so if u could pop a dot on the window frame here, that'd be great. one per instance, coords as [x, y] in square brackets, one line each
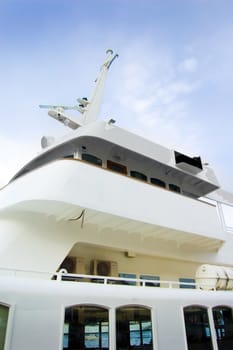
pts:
[91, 305]
[92, 156]
[120, 166]
[9, 328]
[152, 344]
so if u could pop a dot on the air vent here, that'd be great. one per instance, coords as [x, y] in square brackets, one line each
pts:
[104, 268]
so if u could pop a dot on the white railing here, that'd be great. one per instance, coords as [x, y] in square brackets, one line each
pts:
[63, 276]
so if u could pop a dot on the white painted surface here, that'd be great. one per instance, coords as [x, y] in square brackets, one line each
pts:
[38, 314]
[36, 218]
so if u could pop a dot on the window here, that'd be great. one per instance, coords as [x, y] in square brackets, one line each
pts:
[4, 311]
[151, 278]
[85, 327]
[119, 168]
[128, 275]
[187, 280]
[197, 328]
[223, 323]
[174, 188]
[133, 328]
[158, 182]
[92, 159]
[138, 175]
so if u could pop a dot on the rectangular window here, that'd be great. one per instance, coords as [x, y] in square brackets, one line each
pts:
[187, 280]
[197, 327]
[128, 275]
[92, 159]
[151, 278]
[118, 168]
[96, 335]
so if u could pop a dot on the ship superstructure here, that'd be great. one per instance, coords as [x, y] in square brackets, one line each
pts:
[105, 205]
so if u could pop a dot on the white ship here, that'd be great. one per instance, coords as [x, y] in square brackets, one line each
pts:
[111, 241]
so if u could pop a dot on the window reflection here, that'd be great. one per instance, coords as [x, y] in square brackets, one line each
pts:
[197, 328]
[223, 322]
[133, 328]
[85, 327]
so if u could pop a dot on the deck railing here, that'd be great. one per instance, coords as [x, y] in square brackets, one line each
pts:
[64, 276]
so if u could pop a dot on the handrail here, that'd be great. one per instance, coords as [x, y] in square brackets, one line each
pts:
[63, 276]
[136, 282]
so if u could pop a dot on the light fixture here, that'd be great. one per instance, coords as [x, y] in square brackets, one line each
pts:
[111, 121]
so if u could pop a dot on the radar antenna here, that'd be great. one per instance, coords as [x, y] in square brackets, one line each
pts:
[89, 110]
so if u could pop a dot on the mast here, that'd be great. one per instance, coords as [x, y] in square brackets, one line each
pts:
[93, 107]
[89, 109]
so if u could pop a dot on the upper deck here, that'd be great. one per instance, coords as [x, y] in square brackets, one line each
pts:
[106, 141]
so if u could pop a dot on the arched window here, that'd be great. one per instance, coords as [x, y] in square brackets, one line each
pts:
[174, 188]
[158, 182]
[4, 311]
[138, 175]
[133, 328]
[197, 328]
[86, 327]
[223, 322]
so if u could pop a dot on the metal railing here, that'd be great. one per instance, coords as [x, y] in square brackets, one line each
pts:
[63, 276]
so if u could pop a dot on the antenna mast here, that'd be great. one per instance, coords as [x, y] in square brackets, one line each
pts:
[92, 111]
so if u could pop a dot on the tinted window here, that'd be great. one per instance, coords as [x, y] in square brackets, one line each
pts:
[128, 275]
[119, 168]
[174, 188]
[223, 323]
[158, 182]
[133, 328]
[197, 328]
[187, 280]
[151, 278]
[4, 311]
[92, 159]
[85, 327]
[138, 175]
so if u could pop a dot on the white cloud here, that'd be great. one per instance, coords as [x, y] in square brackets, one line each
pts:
[189, 65]
[156, 97]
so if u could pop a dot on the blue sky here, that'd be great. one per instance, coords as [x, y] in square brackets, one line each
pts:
[172, 82]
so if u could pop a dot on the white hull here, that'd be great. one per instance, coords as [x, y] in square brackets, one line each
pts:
[37, 310]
